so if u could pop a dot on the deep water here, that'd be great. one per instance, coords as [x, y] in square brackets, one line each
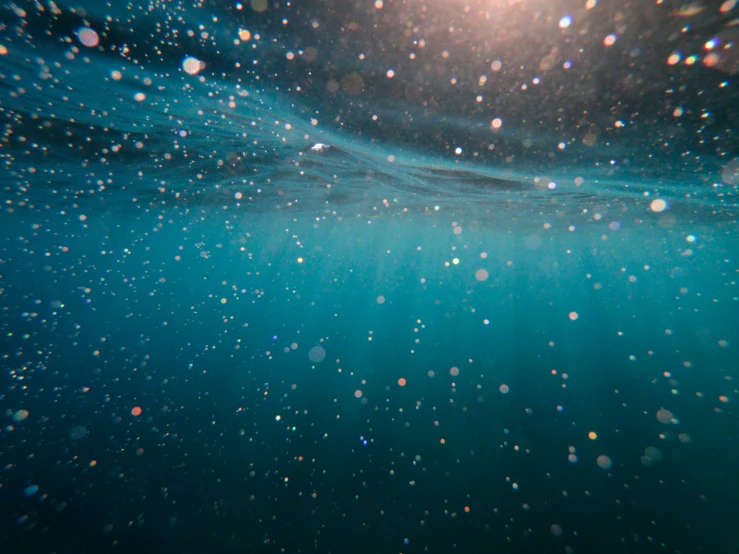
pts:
[241, 314]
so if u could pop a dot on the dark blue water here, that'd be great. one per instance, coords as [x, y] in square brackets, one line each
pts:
[369, 277]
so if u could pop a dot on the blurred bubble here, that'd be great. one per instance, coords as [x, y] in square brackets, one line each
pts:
[316, 354]
[310, 54]
[604, 462]
[658, 205]
[88, 37]
[547, 63]
[259, 6]
[77, 432]
[192, 66]
[353, 84]
[653, 453]
[712, 59]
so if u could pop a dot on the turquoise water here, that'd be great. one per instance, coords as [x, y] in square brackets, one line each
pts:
[255, 302]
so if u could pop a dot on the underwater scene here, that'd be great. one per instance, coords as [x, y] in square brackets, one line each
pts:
[369, 276]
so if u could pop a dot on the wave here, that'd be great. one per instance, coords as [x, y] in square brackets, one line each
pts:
[124, 122]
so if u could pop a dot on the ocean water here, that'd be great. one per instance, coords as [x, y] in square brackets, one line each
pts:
[373, 277]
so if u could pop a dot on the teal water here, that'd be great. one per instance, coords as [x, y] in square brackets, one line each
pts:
[220, 336]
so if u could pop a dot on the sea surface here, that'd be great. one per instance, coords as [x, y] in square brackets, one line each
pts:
[381, 277]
